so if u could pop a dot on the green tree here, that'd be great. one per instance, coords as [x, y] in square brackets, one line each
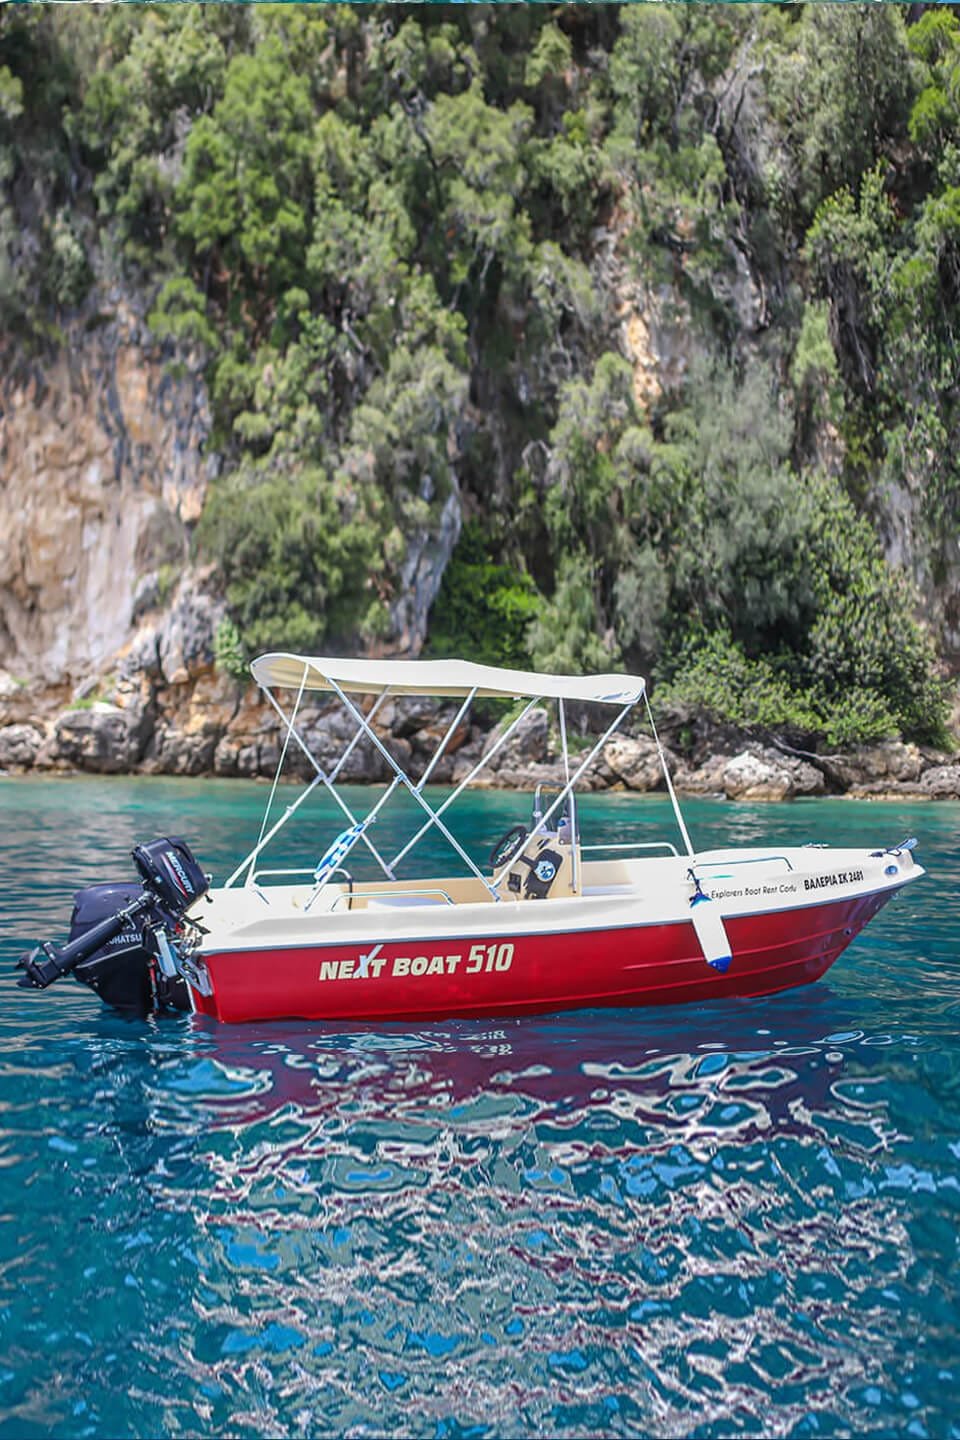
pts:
[159, 73]
[564, 639]
[842, 97]
[300, 557]
[245, 198]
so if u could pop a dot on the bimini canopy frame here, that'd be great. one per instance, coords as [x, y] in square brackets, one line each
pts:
[456, 679]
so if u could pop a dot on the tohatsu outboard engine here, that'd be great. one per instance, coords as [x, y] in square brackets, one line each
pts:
[126, 940]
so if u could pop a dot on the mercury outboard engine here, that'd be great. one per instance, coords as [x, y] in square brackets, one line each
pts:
[125, 938]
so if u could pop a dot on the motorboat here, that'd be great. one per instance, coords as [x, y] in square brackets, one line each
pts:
[549, 920]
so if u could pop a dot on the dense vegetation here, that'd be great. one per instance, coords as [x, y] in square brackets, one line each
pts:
[407, 245]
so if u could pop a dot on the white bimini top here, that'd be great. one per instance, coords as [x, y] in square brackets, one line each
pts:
[455, 678]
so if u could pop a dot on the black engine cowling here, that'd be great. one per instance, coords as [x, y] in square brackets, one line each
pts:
[170, 871]
[123, 972]
[121, 934]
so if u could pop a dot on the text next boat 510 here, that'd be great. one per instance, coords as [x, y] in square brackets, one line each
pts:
[546, 922]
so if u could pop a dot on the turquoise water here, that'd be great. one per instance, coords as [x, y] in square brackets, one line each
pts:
[734, 1219]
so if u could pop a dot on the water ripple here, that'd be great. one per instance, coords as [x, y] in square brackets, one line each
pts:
[728, 1220]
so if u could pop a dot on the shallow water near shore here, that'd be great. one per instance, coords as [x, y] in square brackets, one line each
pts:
[740, 1218]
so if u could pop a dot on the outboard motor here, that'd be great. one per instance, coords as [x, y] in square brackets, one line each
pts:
[124, 937]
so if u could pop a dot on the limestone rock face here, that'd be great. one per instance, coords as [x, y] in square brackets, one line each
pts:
[407, 715]
[655, 337]
[768, 775]
[101, 474]
[176, 644]
[705, 779]
[756, 773]
[428, 551]
[19, 745]
[528, 743]
[941, 782]
[750, 777]
[426, 740]
[251, 727]
[328, 731]
[171, 752]
[636, 763]
[105, 738]
[907, 545]
[186, 636]
[890, 760]
[807, 779]
[528, 777]
[189, 723]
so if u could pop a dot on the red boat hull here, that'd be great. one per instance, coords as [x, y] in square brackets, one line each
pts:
[654, 964]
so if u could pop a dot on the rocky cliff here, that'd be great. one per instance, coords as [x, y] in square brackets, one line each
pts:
[108, 625]
[103, 472]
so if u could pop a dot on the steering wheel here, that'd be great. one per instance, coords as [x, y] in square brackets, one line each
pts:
[507, 846]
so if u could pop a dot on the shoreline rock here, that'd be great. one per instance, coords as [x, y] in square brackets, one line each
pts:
[190, 720]
[757, 772]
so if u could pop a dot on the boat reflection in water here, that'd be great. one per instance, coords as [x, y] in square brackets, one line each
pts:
[556, 1062]
[494, 1222]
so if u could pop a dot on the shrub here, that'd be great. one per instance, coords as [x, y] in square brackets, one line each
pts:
[484, 608]
[228, 651]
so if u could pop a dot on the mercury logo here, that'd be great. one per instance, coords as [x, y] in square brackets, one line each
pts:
[179, 874]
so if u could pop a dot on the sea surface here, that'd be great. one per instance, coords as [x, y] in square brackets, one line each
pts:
[734, 1219]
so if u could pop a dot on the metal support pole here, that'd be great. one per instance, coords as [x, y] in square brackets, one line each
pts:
[356, 739]
[405, 780]
[327, 782]
[264, 841]
[574, 837]
[666, 776]
[568, 788]
[443, 743]
[481, 763]
[283, 756]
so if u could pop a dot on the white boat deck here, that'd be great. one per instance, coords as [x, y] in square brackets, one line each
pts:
[627, 891]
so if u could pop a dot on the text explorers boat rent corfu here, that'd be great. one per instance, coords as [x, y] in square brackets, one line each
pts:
[547, 923]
